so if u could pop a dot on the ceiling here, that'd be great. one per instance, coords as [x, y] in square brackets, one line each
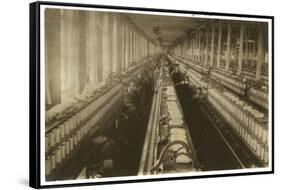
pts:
[169, 30]
[164, 30]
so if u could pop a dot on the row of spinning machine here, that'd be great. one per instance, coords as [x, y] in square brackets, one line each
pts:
[70, 127]
[244, 109]
[168, 145]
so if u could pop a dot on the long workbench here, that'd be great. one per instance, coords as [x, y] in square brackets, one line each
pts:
[168, 145]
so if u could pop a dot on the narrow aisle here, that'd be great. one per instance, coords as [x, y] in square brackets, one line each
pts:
[211, 150]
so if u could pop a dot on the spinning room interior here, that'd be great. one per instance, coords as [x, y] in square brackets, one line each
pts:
[136, 94]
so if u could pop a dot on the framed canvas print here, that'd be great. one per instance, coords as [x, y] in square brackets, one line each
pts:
[121, 94]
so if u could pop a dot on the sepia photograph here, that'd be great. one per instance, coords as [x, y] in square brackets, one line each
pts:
[136, 94]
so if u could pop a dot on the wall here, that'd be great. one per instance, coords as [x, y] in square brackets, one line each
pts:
[83, 49]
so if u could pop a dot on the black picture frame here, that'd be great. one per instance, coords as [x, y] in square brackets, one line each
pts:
[34, 92]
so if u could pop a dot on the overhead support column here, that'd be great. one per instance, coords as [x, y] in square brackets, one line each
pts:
[119, 41]
[246, 45]
[241, 44]
[199, 46]
[123, 46]
[185, 49]
[134, 45]
[207, 43]
[129, 45]
[196, 45]
[105, 46]
[110, 43]
[253, 54]
[115, 44]
[126, 38]
[138, 46]
[99, 46]
[227, 61]
[188, 48]
[212, 44]
[260, 54]
[219, 45]
[181, 50]
[192, 49]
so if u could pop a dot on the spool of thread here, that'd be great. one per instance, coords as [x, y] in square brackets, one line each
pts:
[63, 151]
[79, 135]
[258, 131]
[97, 103]
[48, 166]
[88, 127]
[71, 124]
[47, 143]
[71, 143]
[266, 155]
[52, 138]
[264, 134]
[57, 135]
[246, 116]
[74, 122]
[81, 115]
[67, 128]
[58, 155]
[78, 118]
[258, 126]
[97, 116]
[53, 161]
[251, 121]
[67, 147]
[248, 138]
[82, 131]
[255, 143]
[100, 112]
[91, 107]
[244, 132]
[75, 140]
[259, 147]
[62, 131]
[86, 112]
[262, 152]
[89, 110]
